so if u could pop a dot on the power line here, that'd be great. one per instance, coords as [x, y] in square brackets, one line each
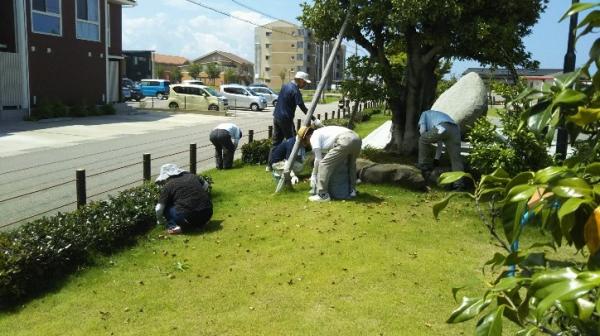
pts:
[255, 10]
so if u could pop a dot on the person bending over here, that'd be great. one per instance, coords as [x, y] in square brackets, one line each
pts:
[225, 137]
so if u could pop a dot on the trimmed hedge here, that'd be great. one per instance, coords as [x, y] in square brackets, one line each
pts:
[256, 152]
[38, 253]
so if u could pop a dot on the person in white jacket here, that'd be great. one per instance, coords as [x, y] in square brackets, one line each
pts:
[225, 137]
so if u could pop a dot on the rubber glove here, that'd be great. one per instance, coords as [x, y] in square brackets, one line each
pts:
[317, 123]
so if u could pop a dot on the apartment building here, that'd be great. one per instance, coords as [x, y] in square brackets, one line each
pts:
[282, 48]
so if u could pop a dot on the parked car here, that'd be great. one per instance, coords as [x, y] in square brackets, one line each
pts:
[194, 97]
[125, 93]
[241, 97]
[258, 85]
[135, 92]
[158, 88]
[267, 93]
[217, 94]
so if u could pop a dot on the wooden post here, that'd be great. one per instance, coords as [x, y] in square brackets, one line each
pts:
[250, 136]
[146, 164]
[193, 158]
[80, 187]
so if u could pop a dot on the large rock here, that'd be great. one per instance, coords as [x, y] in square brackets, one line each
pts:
[465, 101]
[398, 174]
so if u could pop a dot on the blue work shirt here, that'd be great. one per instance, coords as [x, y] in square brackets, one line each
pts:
[431, 118]
[284, 149]
[289, 98]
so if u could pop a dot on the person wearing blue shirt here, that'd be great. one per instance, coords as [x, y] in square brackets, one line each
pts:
[225, 137]
[438, 127]
[285, 110]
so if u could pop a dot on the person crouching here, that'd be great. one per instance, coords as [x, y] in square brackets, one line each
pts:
[342, 146]
[225, 137]
[184, 199]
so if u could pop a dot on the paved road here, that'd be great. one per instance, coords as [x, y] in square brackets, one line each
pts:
[38, 159]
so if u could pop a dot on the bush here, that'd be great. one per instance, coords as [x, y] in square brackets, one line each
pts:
[79, 110]
[338, 122]
[514, 150]
[49, 109]
[256, 152]
[47, 249]
[108, 109]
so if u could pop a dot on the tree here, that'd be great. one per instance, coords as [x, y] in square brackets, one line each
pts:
[360, 85]
[427, 31]
[176, 75]
[282, 75]
[194, 70]
[213, 72]
[230, 76]
[160, 71]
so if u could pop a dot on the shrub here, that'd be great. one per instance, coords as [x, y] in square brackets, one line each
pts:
[79, 110]
[514, 150]
[256, 152]
[49, 109]
[108, 109]
[338, 122]
[38, 252]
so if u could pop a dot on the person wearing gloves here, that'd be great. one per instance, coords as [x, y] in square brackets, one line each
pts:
[184, 199]
[225, 137]
[285, 110]
[279, 157]
[341, 146]
[438, 127]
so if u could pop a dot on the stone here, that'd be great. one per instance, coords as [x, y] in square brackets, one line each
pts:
[392, 173]
[465, 101]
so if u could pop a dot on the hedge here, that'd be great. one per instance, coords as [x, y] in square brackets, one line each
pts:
[256, 152]
[38, 253]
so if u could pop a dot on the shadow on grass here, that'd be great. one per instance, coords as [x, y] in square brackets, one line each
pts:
[367, 198]
[212, 226]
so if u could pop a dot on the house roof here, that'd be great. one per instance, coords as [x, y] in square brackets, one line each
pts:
[487, 72]
[169, 59]
[231, 56]
[279, 23]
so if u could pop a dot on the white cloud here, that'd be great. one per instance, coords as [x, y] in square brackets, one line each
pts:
[191, 36]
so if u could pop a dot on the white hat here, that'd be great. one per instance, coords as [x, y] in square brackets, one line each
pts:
[302, 75]
[168, 170]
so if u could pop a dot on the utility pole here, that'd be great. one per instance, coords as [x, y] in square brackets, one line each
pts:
[562, 137]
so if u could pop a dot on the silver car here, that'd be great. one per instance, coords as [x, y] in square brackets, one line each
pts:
[267, 93]
[240, 96]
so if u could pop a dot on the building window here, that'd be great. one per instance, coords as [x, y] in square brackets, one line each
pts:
[300, 45]
[301, 32]
[291, 58]
[293, 45]
[88, 20]
[267, 57]
[300, 57]
[46, 17]
[268, 33]
[268, 45]
[267, 69]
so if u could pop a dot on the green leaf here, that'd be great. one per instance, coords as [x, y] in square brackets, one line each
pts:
[500, 173]
[523, 195]
[441, 205]
[549, 174]
[527, 332]
[578, 7]
[569, 207]
[538, 122]
[547, 278]
[486, 195]
[569, 97]
[566, 291]
[566, 80]
[455, 291]
[593, 169]
[491, 324]
[585, 116]
[468, 309]
[508, 283]
[585, 308]
[521, 178]
[451, 177]
[497, 260]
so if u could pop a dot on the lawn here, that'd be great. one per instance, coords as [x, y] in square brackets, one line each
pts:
[275, 264]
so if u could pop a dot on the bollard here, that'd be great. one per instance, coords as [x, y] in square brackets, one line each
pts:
[193, 158]
[333, 114]
[250, 136]
[319, 116]
[80, 187]
[298, 124]
[325, 115]
[339, 113]
[146, 164]
[270, 132]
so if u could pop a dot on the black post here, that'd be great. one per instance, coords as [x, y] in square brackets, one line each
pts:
[325, 115]
[80, 186]
[319, 116]
[298, 124]
[250, 136]
[271, 132]
[562, 137]
[146, 164]
[193, 158]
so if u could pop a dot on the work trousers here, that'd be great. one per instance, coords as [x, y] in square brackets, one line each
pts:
[224, 148]
[346, 148]
[282, 130]
[451, 139]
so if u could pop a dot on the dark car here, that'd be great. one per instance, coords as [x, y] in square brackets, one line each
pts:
[136, 93]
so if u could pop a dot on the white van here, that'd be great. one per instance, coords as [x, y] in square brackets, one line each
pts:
[267, 93]
[194, 97]
[241, 97]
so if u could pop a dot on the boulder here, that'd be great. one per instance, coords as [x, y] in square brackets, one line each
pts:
[465, 101]
[393, 173]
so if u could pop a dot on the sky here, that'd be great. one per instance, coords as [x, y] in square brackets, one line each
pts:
[178, 27]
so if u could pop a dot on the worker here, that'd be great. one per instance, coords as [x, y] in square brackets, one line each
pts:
[225, 137]
[280, 155]
[285, 110]
[438, 127]
[184, 199]
[341, 147]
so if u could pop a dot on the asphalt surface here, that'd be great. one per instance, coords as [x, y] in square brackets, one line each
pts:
[38, 160]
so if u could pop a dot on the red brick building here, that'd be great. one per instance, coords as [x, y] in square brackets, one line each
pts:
[66, 50]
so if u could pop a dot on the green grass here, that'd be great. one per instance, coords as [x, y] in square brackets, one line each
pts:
[275, 264]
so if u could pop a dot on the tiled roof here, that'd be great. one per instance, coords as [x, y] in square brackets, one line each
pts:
[231, 56]
[168, 59]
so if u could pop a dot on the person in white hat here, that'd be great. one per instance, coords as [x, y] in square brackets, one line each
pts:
[184, 199]
[285, 110]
